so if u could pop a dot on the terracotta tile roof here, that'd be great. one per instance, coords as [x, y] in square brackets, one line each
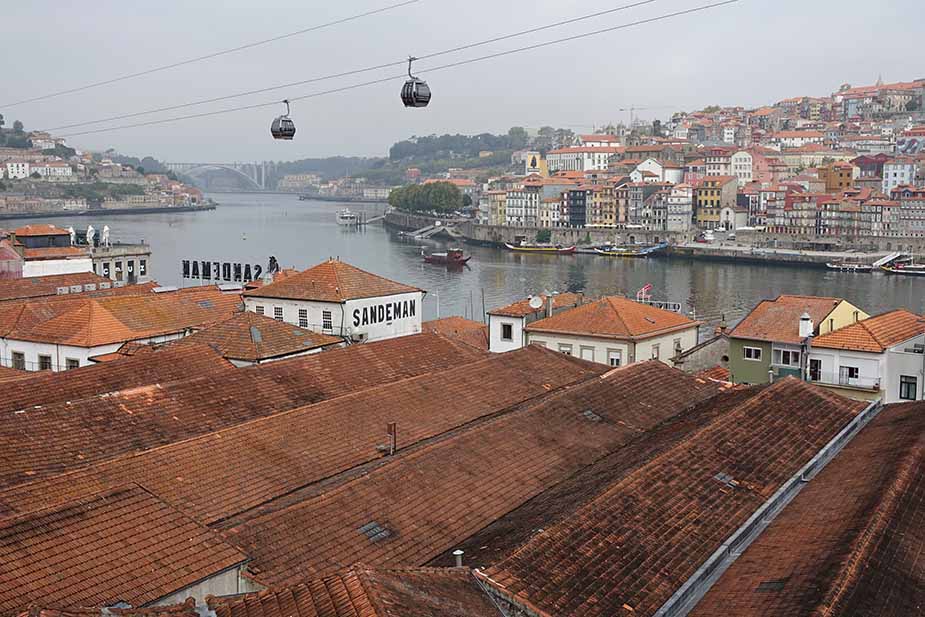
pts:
[778, 320]
[56, 252]
[463, 482]
[124, 544]
[187, 609]
[251, 463]
[522, 308]
[41, 388]
[629, 549]
[10, 374]
[94, 321]
[719, 373]
[365, 592]
[875, 334]
[465, 330]
[850, 543]
[37, 286]
[127, 350]
[331, 281]
[87, 425]
[40, 229]
[614, 317]
[250, 337]
[559, 502]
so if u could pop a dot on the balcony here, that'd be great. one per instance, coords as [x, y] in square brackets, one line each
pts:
[840, 380]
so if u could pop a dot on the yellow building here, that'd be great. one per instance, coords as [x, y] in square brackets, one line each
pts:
[837, 176]
[602, 209]
[714, 194]
[497, 207]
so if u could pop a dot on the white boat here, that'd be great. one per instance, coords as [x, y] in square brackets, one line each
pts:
[346, 217]
[849, 266]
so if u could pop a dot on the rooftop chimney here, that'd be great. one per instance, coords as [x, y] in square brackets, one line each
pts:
[550, 301]
[806, 325]
[458, 554]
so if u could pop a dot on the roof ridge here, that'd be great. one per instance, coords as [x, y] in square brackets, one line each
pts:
[337, 287]
[865, 542]
[616, 311]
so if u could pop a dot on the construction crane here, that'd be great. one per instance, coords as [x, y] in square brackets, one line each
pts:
[632, 111]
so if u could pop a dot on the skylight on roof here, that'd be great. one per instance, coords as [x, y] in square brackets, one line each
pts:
[206, 304]
[725, 478]
[590, 415]
[375, 532]
[772, 585]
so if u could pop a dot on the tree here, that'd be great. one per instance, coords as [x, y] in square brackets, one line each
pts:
[518, 137]
[467, 201]
[912, 105]
[657, 128]
[140, 170]
[36, 175]
[17, 127]
[1, 121]
[434, 197]
[544, 236]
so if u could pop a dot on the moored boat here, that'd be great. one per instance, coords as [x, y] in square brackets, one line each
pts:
[451, 257]
[630, 251]
[346, 217]
[845, 266]
[540, 248]
[904, 268]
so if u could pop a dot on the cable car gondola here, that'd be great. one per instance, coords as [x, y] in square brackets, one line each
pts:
[283, 127]
[415, 92]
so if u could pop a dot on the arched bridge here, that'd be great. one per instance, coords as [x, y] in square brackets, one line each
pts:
[255, 174]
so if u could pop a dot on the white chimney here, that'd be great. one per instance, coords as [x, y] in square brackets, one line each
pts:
[549, 305]
[806, 325]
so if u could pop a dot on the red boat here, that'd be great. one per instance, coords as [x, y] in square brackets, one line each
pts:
[452, 257]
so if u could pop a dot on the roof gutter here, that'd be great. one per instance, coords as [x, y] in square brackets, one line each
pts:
[692, 591]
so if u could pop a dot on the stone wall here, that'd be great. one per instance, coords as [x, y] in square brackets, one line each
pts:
[568, 236]
[870, 244]
[407, 221]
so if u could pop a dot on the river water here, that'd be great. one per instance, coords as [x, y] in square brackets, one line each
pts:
[250, 227]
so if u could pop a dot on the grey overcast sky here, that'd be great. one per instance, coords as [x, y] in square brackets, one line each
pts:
[751, 53]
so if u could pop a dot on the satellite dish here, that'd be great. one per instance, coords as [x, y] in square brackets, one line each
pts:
[536, 302]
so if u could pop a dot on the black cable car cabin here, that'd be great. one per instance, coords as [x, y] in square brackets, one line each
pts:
[283, 127]
[415, 92]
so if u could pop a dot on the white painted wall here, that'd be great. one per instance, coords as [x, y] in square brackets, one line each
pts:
[227, 583]
[47, 267]
[495, 342]
[61, 353]
[347, 318]
[597, 349]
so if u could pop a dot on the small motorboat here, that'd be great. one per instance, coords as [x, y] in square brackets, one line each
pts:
[451, 257]
[630, 251]
[541, 248]
[908, 269]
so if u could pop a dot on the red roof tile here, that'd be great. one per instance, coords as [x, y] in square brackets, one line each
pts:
[463, 482]
[249, 337]
[465, 330]
[364, 592]
[718, 373]
[629, 549]
[875, 334]
[187, 609]
[850, 543]
[57, 252]
[259, 460]
[37, 286]
[778, 320]
[331, 281]
[614, 317]
[124, 544]
[40, 229]
[522, 308]
[86, 425]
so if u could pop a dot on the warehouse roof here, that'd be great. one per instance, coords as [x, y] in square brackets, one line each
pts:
[614, 317]
[38, 286]
[424, 501]
[121, 545]
[850, 543]
[331, 281]
[251, 463]
[778, 320]
[629, 549]
[875, 334]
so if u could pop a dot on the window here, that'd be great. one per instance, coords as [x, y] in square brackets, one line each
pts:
[848, 373]
[815, 369]
[587, 353]
[327, 321]
[614, 357]
[142, 267]
[71, 363]
[507, 332]
[786, 357]
[752, 353]
[656, 352]
[19, 360]
[278, 313]
[566, 349]
[908, 387]
[258, 310]
[44, 363]
[303, 318]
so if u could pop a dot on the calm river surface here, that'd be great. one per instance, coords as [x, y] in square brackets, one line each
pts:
[249, 228]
